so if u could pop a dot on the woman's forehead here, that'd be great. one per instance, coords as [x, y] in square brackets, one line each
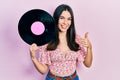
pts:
[65, 14]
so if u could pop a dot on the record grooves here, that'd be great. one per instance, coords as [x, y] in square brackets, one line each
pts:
[32, 16]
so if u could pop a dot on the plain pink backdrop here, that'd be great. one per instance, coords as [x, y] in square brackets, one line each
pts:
[101, 18]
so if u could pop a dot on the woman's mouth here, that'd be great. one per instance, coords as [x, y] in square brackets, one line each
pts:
[63, 26]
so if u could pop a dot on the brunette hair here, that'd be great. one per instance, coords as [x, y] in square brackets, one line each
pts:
[71, 33]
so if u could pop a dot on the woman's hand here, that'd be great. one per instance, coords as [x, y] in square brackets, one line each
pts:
[33, 49]
[85, 41]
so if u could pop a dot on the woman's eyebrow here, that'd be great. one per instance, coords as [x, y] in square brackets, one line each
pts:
[61, 16]
[68, 17]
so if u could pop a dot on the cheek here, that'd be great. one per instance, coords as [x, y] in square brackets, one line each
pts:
[59, 25]
[70, 23]
[60, 21]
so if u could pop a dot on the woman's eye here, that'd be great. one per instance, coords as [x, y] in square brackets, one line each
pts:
[69, 18]
[61, 17]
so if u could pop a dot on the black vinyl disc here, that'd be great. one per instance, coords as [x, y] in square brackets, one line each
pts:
[36, 16]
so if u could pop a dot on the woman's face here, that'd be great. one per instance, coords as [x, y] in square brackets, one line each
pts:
[64, 21]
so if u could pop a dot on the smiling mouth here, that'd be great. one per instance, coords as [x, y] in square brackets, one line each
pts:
[63, 26]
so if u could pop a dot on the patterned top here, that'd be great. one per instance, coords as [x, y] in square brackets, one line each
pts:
[60, 64]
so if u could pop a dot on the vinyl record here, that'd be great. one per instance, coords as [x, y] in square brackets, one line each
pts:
[36, 26]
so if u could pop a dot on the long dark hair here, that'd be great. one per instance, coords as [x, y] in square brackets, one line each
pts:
[71, 33]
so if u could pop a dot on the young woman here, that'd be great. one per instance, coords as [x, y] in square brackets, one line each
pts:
[62, 53]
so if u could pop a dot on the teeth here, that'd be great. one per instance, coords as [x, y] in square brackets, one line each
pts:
[64, 26]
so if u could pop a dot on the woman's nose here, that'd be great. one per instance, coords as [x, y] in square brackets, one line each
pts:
[65, 21]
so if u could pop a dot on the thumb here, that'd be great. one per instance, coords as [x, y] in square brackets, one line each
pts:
[86, 35]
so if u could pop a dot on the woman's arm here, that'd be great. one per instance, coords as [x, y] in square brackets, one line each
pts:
[42, 68]
[88, 59]
[86, 43]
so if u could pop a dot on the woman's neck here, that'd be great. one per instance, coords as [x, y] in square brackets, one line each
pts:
[62, 37]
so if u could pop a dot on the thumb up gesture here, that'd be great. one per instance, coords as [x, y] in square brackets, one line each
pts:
[85, 41]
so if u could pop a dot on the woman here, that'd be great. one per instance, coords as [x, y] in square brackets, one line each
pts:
[62, 53]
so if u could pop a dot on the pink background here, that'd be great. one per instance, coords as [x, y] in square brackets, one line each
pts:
[101, 18]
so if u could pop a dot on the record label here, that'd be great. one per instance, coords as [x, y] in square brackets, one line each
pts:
[37, 28]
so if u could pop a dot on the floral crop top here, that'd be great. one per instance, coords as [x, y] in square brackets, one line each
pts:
[59, 63]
